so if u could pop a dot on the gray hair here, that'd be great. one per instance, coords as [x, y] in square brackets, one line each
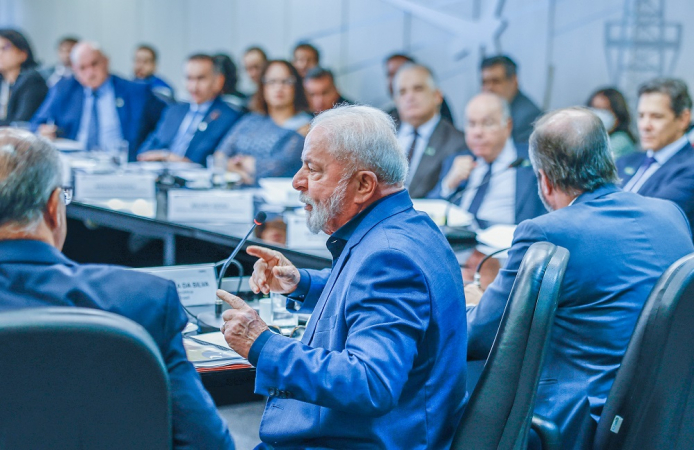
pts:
[431, 80]
[572, 148]
[82, 46]
[675, 89]
[363, 138]
[30, 170]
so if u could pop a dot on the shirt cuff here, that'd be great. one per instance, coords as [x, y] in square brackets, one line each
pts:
[445, 190]
[257, 347]
[302, 288]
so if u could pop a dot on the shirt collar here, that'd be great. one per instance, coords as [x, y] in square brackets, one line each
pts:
[425, 130]
[105, 86]
[664, 154]
[31, 251]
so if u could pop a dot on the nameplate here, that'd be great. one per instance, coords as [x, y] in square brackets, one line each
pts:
[196, 284]
[210, 206]
[299, 236]
[114, 185]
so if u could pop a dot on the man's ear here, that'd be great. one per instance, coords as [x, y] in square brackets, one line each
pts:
[545, 185]
[52, 214]
[367, 182]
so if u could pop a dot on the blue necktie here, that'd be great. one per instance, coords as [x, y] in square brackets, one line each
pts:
[648, 162]
[93, 131]
[479, 196]
[180, 144]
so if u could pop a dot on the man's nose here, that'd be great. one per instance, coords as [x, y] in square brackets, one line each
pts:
[299, 180]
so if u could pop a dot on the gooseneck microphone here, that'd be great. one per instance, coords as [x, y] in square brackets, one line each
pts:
[477, 277]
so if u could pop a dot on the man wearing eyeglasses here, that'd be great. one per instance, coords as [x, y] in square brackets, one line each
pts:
[34, 273]
[497, 184]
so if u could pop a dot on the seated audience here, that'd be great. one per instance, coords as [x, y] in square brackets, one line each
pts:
[321, 91]
[231, 95]
[144, 70]
[609, 104]
[633, 240]
[63, 68]
[34, 273]
[665, 169]
[192, 131]
[382, 362]
[424, 138]
[305, 58]
[267, 142]
[393, 64]
[498, 185]
[254, 61]
[500, 76]
[96, 108]
[22, 88]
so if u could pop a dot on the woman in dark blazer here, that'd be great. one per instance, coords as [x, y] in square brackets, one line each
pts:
[22, 88]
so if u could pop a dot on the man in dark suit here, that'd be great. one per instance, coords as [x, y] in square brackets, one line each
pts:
[34, 273]
[666, 168]
[321, 91]
[144, 70]
[424, 137]
[620, 243]
[382, 361]
[96, 108]
[500, 76]
[192, 132]
[498, 185]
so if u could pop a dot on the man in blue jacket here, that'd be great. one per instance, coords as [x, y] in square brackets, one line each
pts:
[96, 108]
[34, 273]
[382, 361]
[192, 132]
[619, 243]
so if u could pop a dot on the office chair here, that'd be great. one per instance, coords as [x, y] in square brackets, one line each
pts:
[500, 409]
[77, 378]
[651, 403]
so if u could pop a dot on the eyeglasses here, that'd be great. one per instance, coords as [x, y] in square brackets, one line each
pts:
[487, 124]
[279, 81]
[67, 194]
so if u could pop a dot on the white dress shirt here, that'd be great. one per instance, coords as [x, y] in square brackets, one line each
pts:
[110, 134]
[499, 204]
[405, 136]
[661, 157]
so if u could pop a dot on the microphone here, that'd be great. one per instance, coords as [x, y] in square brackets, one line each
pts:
[460, 190]
[477, 277]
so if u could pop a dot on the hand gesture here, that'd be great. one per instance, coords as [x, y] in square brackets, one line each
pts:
[242, 325]
[272, 272]
[460, 171]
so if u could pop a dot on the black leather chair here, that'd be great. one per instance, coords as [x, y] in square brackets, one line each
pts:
[75, 378]
[500, 409]
[651, 403]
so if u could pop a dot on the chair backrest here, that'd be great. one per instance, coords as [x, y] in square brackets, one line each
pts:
[651, 403]
[500, 410]
[76, 378]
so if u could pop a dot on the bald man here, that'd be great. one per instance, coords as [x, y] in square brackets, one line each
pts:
[96, 108]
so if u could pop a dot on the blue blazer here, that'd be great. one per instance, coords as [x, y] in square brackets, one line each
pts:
[35, 274]
[219, 120]
[527, 203]
[619, 243]
[673, 181]
[138, 109]
[382, 361]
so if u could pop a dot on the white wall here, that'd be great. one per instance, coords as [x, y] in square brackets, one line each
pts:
[354, 36]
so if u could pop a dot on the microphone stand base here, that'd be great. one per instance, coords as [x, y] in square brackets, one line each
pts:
[209, 322]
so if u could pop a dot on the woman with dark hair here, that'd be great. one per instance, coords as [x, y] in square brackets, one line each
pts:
[22, 88]
[609, 104]
[268, 141]
[225, 65]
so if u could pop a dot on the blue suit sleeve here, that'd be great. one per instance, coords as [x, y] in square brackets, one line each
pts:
[483, 320]
[308, 291]
[196, 424]
[44, 113]
[387, 312]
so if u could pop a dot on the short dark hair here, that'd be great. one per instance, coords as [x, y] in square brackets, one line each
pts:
[226, 67]
[72, 40]
[407, 58]
[319, 72]
[618, 105]
[673, 88]
[510, 66]
[149, 48]
[256, 49]
[18, 40]
[205, 57]
[309, 47]
[300, 101]
[574, 154]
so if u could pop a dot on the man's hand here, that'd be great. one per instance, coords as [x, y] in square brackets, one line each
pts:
[473, 294]
[460, 171]
[244, 165]
[161, 155]
[242, 325]
[48, 131]
[272, 272]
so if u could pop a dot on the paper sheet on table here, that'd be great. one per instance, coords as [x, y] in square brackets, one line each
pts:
[495, 238]
[68, 145]
[437, 210]
[214, 338]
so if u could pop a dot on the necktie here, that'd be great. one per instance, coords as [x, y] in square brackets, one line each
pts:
[479, 195]
[93, 131]
[180, 144]
[648, 162]
[410, 153]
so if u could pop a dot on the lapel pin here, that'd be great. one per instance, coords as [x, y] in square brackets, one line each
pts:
[629, 170]
[430, 151]
[119, 102]
[214, 114]
[202, 126]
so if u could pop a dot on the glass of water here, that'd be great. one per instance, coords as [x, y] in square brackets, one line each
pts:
[119, 152]
[281, 317]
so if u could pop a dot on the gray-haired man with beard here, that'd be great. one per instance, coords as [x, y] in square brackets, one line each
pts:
[374, 367]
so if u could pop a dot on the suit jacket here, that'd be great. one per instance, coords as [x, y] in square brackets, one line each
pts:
[527, 202]
[619, 243]
[219, 120]
[35, 274]
[523, 112]
[138, 109]
[444, 142]
[382, 361]
[673, 181]
[26, 95]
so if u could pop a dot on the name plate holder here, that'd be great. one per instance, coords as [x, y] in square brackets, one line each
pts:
[299, 236]
[196, 284]
[210, 206]
[114, 185]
